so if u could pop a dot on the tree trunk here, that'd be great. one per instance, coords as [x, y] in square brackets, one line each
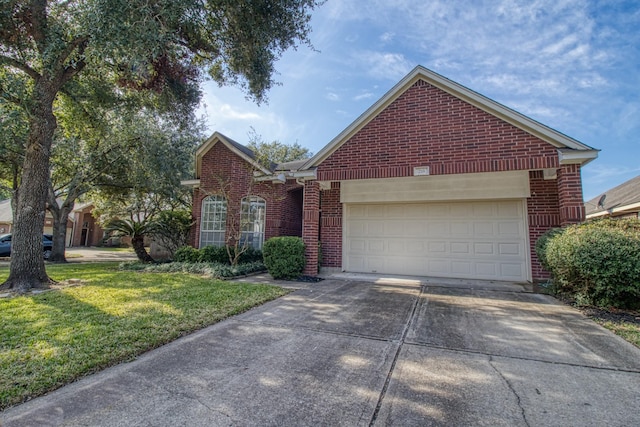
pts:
[138, 246]
[60, 218]
[27, 268]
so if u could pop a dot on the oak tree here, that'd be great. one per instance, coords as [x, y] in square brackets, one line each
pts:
[157, 46]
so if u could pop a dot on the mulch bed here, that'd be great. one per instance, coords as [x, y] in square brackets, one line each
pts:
[611, 315]
[309, 279]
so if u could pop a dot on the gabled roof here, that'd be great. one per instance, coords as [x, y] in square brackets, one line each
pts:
[625, 196]
[570, 150]
[237, 148]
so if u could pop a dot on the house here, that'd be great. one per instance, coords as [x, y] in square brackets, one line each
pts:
[622, 201]
[6, 221]
[86, 230]
[434, 179]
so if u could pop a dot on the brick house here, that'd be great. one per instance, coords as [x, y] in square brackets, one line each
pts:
[432, 180]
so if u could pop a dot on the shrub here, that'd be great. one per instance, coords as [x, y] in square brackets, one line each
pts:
[251, 255]
[171, 229]
[284, 257]
[217, 254]
[541, 246]
[214, 254]
[211, 269]
[597, 262]
[187, 254]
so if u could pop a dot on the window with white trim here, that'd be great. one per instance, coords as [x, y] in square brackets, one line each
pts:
[213, 221]
[252, 217]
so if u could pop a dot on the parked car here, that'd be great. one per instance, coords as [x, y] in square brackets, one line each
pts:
[5, 245]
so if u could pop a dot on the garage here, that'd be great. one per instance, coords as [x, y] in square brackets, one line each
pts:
[484, 239]
[432, 226]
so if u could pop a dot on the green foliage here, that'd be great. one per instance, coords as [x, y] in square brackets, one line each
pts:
[137, 229]
[598, 262]
[215, 254]
[270, 153]
[284, 257]
[172, 228]
[541, 246]
[187, 254]
[250, 254]
[210, 269]
[147, 55]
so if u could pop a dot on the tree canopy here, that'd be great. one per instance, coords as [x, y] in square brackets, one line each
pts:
[161, 49]
[274, 152]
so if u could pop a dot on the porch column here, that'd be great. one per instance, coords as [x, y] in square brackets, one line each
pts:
[570, 195]
[311, 226]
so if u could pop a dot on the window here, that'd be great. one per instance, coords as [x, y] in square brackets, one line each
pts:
[213, 221]
[252, 221]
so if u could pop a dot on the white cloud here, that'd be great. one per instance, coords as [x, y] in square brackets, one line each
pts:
[366, 95]
[229, 112]
[381, 65]
[387, 36]
[332, 96]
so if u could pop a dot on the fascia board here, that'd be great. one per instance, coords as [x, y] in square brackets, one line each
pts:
[614, 210]
[582, 157]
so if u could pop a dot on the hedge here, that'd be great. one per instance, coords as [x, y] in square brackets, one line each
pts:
[597, 262]
[215, 254]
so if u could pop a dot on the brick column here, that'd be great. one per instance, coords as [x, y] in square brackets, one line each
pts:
[196, 207]
[311, 225]
[570, 195]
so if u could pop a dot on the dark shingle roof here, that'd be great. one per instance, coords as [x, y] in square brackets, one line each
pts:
[246, 150]
[624, 194]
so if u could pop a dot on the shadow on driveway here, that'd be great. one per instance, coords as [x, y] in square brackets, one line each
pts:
[353, 352]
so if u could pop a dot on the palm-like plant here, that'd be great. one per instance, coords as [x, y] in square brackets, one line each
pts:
[135, 230]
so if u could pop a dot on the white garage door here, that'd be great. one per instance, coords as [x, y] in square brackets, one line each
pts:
[481, 240]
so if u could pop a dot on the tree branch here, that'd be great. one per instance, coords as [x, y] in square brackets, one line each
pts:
[12, 62]
[37, 21]
[79, 43]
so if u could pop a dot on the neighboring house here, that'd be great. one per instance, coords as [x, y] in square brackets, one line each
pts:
[622, 201]
[86, 231]
[432, 180]
[6, 221]
[6, 216]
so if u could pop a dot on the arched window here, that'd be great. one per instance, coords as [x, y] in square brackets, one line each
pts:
[213, 221]
[252, 221]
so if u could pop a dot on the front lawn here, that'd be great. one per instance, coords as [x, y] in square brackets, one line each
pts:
[625, 323]
[50, 339]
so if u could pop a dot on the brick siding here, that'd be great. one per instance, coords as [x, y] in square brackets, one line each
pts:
[224, 172]
[331, 226]
[424, 126]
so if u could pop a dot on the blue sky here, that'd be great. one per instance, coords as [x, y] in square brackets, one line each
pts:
[572, 65]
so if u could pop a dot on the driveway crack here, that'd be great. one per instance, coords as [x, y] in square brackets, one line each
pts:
[513, 390]
[403, 336]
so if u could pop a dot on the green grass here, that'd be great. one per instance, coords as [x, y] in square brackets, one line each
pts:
[115, 249]
[50, 339]
[628, 331]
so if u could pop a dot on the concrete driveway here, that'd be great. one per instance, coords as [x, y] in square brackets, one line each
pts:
[367, 351]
